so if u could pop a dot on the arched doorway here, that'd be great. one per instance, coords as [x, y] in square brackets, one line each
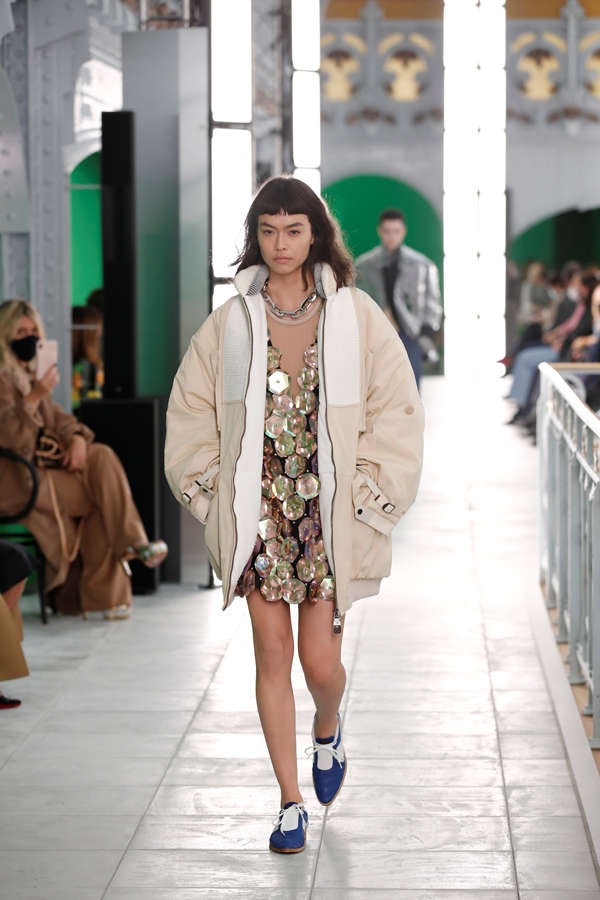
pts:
[565, 236]
[357, 201]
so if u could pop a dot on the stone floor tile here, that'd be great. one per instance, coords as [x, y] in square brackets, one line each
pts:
[385, 870]
[215, 832]
[426, 679]
[215, 893]
[170, 869]
[532, 772]
[560, 895]
[57, 874]
[76, 771]
[409, 832]
[542, 801]
[564, 833]
[537, 722]
[550, 871]
[228, 745]
[421, 801]
[213, 772]
[425, 772]
[503, 680]
[420, 701]
[399, 894]
[51, 831]
[116, 722]
[436, 723]
[522, 701]
[96, 747]
[530, 746]
[440, 663]
[101, 801]
[420, 746]
[184, 800]
[240, 721]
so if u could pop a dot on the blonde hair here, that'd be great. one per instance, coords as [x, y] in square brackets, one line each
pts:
[11, 311]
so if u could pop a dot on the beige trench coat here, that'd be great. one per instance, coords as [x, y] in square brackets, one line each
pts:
[19, 431]
[99, 496]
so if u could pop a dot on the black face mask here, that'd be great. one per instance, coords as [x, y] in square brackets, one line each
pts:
[25, 348]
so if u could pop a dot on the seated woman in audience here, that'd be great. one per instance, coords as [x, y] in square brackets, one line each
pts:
[84, 504]
[15, 567]
[555, 345]
[86, 344]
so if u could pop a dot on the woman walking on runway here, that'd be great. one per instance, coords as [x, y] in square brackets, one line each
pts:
[294, 431]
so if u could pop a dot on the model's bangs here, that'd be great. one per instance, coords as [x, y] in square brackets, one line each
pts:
[283, 196]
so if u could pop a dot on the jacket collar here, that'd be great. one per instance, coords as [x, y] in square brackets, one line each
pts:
[382, 257]
[250, 281]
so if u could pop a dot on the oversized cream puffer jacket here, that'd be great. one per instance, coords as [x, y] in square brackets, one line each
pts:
[370, 432]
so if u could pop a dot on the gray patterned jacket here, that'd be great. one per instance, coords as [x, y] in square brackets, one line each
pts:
[416, 299]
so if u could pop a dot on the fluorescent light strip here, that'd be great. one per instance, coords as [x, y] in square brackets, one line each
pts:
[231, 60]
[306, 35]
[474, 183]
[306, 115]
[232, 164]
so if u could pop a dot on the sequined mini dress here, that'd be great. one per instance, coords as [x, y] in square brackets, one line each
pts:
[289, 560]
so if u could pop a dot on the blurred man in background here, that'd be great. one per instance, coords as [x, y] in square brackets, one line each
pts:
[405, 284]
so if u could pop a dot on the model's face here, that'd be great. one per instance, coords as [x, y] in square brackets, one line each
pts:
[284, 241]
[25, 328]
[391, 233]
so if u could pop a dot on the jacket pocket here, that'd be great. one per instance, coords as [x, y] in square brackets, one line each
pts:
[371, 533]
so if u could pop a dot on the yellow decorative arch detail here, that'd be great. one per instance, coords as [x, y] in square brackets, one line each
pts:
[555, 39]
[355, 41]
[423, 42]
[589, 40]
[522, 40]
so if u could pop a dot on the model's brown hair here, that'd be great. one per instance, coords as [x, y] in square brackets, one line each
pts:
[284, 194]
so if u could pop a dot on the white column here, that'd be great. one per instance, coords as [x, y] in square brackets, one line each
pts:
[474, 183]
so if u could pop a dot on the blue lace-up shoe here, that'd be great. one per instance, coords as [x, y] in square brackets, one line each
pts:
[329, 765]
[290, 834]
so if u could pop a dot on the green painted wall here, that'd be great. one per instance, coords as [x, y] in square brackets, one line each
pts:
[86, 229]
[572, 235]
[358, 200]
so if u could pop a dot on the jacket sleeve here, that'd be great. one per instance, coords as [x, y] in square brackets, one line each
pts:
[64, 424]
[18, 427]
[192, 443]
[366, 280]
[433, 308]
[390, 449]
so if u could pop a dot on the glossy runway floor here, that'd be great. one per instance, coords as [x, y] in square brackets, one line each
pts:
[136, 768]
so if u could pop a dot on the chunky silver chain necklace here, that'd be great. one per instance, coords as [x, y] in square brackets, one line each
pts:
[286, 313]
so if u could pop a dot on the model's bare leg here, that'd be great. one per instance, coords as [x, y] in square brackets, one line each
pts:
[274, 652]
[320, 652]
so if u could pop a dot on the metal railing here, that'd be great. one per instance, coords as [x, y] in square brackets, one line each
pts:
[569, 509]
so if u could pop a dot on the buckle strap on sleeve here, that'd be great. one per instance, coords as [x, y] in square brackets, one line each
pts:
[200, 484]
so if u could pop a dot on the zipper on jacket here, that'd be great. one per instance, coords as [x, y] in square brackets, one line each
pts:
[337, 624]
[229, 598]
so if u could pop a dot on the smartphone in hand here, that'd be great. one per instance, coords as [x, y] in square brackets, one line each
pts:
[47, 355]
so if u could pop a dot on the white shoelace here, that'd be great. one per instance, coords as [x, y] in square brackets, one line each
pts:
[337, 753]
[287, 819]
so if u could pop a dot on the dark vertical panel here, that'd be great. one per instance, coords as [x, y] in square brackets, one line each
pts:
[118, 249]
